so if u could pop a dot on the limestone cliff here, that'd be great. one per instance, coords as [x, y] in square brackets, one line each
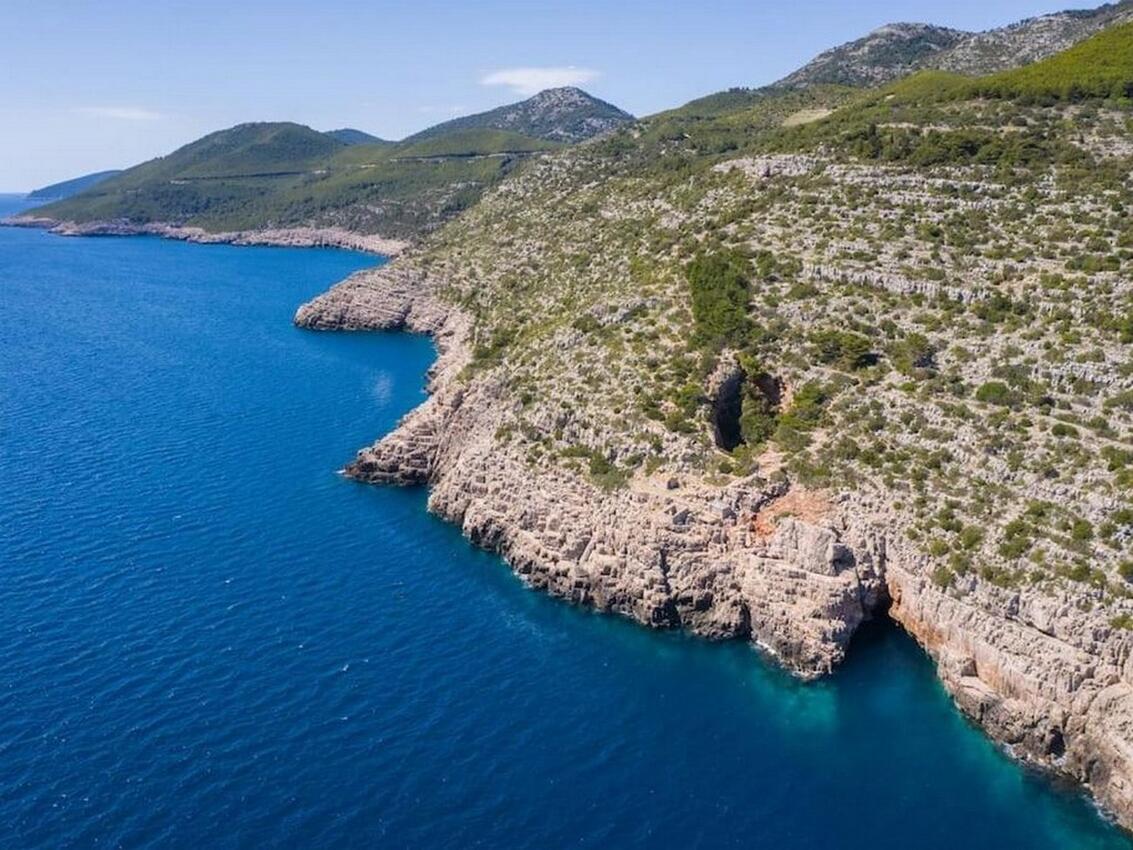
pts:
[756, 559]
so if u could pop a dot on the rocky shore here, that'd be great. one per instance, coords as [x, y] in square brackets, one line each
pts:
[761, 560]
[292, 237]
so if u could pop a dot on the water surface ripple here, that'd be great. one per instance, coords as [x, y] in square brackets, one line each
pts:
[212, 640]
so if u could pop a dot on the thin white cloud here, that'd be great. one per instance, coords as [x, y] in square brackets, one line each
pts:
[121, 113]
[442, 110]
[534, 80]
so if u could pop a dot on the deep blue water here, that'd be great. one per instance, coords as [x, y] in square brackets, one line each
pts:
[208, 639]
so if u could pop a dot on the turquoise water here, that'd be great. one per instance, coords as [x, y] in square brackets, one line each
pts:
[212, 640]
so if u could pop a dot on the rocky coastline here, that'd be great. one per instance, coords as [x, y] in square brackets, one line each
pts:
[290, 237]
[792, 572]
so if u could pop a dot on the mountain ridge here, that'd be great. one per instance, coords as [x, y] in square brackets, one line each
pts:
[278, 176]
[566, 114]
[351, 136]
[897, 49]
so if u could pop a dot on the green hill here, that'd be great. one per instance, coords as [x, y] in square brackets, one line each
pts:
[67, 188]
[243, 150]
[266, 175]
[471, 143]
[256, 176]
[350, 136]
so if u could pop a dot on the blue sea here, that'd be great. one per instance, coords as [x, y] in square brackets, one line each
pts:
[209, 639]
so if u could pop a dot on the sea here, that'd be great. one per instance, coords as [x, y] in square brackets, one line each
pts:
[211, 639]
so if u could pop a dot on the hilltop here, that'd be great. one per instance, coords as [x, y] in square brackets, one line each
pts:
[779, 361]
[350, 136]
[896, 50]
[559, 115]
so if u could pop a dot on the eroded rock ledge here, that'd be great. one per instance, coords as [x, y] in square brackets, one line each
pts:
[1046, 678]
[290, 237]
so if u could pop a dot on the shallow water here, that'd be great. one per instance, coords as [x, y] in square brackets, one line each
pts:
[212, 640]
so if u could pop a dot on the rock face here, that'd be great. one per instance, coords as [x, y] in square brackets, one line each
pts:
[895, 50]
[688, 557]
[887, 53]
[739, 561]
[1038, 675]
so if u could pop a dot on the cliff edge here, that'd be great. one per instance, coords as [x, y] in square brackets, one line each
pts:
[792, 571]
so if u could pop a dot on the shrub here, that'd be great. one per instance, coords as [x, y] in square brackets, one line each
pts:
[996, 392]
[971, 537]
[913, 353]
[845, 349]
[943, 577]
[1081, 530]
[795, 425]
[718, 285]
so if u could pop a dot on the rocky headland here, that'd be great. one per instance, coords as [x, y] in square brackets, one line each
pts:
[791, 570]
[288, 237]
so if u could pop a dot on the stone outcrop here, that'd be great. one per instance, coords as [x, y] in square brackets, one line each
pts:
[1047, 678]
[288, 237]
[1042, 676]
[687, 557]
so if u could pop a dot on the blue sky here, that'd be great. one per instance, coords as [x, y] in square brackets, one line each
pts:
[93, 85]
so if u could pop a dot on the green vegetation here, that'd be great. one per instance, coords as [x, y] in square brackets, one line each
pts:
[759, 404]
[804, 415]
[350, 136]
[59, 191]
[278, 175]
[1100, 67]
[718, 285]
[845, 349]
[996, 392]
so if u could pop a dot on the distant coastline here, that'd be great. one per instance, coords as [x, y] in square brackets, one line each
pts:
[293, 237]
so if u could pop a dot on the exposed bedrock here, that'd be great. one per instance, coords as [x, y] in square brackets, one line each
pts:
[1037, 673]
[1043, 674]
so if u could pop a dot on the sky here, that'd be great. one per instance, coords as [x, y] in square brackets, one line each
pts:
[86, 86]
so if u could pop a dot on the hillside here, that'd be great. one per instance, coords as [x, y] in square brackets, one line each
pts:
[271, 176]
[777, 362]
[1030, 40]
[895, 50]
[1101, 67]
[350, 136]
[67, 188]
[885, 54]
[558, 115]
